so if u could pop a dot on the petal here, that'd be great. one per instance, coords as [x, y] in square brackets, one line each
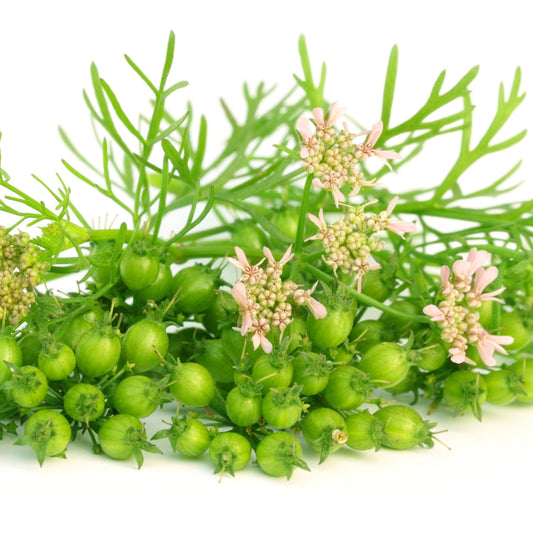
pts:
[318, 113]
[477, 259]
[317, 183]
[486, 352]
[236, 263]
[337, 196]
[316, 221]
[241, 256]
[318, 310]
[497, 340]
[305, 128]
[366, 132]
[239, 294]
[444, 275]
[287, 256]
[268, 254]
[392, 205]
[484, 277]
[457, 356]
[374, 134]
[462, 268]
[335, 112]
[387, 154]
[247, 322]
[399, 227]
[490, 295]
[434, 312]
[256, 340]
[265, 344]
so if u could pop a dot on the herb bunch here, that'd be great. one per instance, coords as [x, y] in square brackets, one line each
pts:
[276, 298]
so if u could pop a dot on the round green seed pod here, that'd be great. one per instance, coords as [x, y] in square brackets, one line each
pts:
[387, 363]
[365, 431]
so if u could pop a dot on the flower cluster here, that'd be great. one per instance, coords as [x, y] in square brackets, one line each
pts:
[265, 300]
[20, 270]
[456, 314]
[350, 242]
[333, 157]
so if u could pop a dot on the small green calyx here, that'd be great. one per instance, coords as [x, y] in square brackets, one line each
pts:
[177, 428]
[315, 364]
[27, 378]
[88, 406]
[289, 457]
[224, 461]
[137, 441]
[362, 383]
[287, 397]
[250, 388]
[39, 439]
[472, 398]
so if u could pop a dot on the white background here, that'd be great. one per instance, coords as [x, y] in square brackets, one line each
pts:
[45, 53]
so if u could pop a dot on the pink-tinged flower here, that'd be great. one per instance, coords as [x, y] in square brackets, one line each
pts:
[367, 148]
[359, 182]
[465, 268]
[332, 187]
[305, 128]
[276, 267]
[246, 307]
[445, 286]
[335, 112]
[397, 226]
[249, 273]
[320, 222]
[458, 356]
[362, 271]
[487, 344]
[434, 312]
[317, 309]
[303, 297]
[483, 278]
[287, 256]
[261, 328]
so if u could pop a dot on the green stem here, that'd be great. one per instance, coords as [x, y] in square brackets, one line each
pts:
[363, 298]
[298, 245]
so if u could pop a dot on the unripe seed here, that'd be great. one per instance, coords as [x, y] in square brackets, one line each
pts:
[229, 452]
[404, 427]
[503, 386]
[282, 409]
[243, 409]
[137, 395]
[368, 333]
[432, 357]
[325, 431]
[84, 402]
[387, 363]
[365, 431]
[57, 361]
[332, 330]
[279, 453]
[347, 388]
[311, 371]
[465, 390]
[192, 385]
[47, 432]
